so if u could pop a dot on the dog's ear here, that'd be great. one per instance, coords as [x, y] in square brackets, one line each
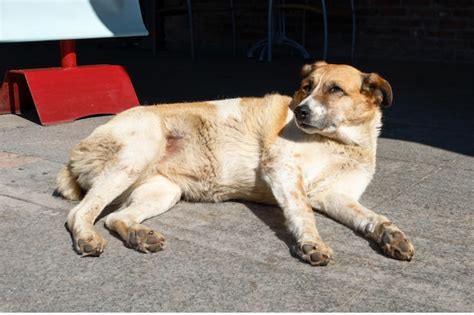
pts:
[373, 84]
[309, 68]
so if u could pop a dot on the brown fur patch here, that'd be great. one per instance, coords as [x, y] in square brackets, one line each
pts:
[278, 123]
[377, 90]
[266, 116]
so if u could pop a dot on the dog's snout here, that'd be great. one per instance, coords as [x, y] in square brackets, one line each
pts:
[302, 112]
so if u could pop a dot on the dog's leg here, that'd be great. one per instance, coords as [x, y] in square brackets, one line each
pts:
[139, 145]
[373, 226]
[286, 183]
[80, 222]
[151, 198]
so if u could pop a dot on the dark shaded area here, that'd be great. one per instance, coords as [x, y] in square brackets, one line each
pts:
[432, 102]
[275, 221]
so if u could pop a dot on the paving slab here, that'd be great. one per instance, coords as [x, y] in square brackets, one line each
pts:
[31, 181]
[463, 163]
[8, 122]
[393, 177]
[52, 142]
[437, 146]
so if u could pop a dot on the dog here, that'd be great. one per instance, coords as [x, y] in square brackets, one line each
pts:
[313, 151]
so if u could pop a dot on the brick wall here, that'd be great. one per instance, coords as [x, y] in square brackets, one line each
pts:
[441, 30]
[435, 30]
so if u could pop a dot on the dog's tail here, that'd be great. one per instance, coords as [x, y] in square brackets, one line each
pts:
[67, 185]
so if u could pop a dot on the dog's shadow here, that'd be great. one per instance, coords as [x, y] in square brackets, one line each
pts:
[273, 217]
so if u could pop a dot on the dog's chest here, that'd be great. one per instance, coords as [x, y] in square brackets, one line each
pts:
[323, 166]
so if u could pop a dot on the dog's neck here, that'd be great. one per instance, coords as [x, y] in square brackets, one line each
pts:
[363, 135]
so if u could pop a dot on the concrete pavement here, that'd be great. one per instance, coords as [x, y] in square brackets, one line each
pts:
[235, 256]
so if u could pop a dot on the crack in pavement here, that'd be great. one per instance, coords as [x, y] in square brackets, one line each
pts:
[32, 202]
[400, 192]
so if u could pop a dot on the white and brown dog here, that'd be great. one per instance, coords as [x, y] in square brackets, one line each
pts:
[313, 151]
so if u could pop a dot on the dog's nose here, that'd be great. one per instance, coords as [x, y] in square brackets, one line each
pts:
[302, 112]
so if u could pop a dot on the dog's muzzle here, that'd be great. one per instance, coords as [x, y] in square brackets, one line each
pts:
[315, 119]
[304, 117]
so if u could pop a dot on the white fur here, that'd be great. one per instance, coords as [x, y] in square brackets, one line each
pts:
[151, 198]
[317, 108]
[228, 108]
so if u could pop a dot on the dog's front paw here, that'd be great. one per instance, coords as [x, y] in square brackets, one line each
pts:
[394, 242]
[315, 253]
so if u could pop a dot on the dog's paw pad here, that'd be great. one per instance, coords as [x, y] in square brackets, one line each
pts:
[91, 245]
[315, 253]
[395, 244]
[145, 239]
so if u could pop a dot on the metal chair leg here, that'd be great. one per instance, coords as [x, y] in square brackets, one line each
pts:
[234, 32]
[281, 38]
[303, 29]
[270, 30]
[191, 28]
[353, 30]
[325, 21]
[153, 27]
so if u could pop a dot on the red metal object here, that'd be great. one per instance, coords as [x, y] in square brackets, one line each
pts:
[14, 91]
[68, 53]
[67, 93]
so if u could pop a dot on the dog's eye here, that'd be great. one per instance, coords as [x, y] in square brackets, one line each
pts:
[306, 88]
[335, 89]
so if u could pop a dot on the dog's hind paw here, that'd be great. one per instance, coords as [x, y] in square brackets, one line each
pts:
[145, 239]
[315, 253]
[91, 245]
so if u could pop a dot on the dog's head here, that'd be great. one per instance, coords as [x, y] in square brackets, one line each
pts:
[334, 96]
